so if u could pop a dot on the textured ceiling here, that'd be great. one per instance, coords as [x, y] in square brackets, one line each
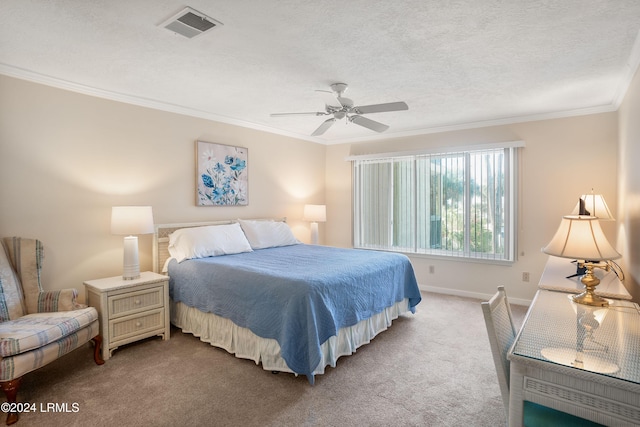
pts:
[456, 63]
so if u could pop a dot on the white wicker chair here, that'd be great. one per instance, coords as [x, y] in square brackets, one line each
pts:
[502, 332]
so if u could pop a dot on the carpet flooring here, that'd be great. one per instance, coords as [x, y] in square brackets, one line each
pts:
[433, 368]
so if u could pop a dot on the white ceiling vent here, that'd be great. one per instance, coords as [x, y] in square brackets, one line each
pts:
[190, 23]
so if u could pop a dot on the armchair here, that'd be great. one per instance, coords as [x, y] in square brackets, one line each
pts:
[36, 326]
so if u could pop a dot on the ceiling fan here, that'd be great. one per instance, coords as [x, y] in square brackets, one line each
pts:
[342, 108]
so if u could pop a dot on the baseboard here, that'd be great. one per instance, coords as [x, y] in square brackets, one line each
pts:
[468, 294]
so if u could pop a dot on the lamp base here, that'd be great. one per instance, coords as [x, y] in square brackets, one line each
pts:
[590, 281]
[314, 233]
[131, 265]
[589, 298]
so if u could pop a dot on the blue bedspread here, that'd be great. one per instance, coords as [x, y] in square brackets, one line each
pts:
[299, 295]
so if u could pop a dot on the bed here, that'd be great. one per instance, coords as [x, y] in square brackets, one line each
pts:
[260, 294]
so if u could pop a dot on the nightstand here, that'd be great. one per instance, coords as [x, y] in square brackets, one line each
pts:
[130, 310]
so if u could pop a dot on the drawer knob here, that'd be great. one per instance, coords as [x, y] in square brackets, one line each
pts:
[137, 302]
[138, 324]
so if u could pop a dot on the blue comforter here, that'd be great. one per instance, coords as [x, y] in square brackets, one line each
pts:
[299, 295]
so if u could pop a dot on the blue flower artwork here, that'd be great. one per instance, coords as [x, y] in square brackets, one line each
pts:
[222, 177]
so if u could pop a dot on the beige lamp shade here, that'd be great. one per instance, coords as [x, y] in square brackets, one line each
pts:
[595, 205]
[130, 220]
[315, 213]
[581, 238]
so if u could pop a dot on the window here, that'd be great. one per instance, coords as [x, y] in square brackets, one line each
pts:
[457, 204]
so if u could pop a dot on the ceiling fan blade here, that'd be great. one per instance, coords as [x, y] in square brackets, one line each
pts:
[381, 108]
[299, 114]
[368, 123]
[330, 98]
[323, 127]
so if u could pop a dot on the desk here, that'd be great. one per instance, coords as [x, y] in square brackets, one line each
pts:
[578, 359]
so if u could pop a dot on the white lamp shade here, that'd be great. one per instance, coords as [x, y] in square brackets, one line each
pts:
[581, 237]
[130, 220]
[595, 204]
[315, 213]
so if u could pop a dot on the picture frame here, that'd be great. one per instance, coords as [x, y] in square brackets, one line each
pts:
[222, 175]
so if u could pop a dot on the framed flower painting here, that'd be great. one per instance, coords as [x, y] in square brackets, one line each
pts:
[221, 175]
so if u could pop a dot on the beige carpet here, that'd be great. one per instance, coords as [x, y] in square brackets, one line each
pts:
[433, 368]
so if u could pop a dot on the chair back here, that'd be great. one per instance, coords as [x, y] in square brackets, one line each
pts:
[26, 257]
[11, 295]
[502, 332]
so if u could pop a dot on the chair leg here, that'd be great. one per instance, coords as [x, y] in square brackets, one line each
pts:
[97, 340]
[10, 389]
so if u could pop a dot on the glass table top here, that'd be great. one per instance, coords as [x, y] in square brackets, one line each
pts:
[600, 340]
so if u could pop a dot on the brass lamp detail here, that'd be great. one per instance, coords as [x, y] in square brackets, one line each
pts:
[590, 281]
[581, 237]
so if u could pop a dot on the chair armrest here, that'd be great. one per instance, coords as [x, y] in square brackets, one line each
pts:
[58, 300]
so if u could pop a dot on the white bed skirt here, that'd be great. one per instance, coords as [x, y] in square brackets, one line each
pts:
[223, 333]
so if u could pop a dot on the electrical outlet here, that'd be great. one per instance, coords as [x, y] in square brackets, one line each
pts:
[432, 269]
[525, 276]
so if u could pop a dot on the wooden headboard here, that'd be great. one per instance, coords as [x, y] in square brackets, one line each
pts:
[162, 232]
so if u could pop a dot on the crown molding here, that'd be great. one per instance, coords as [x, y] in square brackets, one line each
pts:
[631, 68]
[34, 77]
[607, 108]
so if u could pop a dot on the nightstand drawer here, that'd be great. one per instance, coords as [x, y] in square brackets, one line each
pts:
[134, 302]
[130, 326]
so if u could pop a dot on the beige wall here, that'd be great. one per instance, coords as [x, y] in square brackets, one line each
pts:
[563, 159]
[67, 158]
[629, 187]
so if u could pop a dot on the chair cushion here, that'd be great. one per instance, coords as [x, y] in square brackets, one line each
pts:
[39, 329]
[20, 364]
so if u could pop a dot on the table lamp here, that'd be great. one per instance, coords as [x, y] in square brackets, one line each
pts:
[593, 205]
[581, 238]
[315, 214]
[127, 221]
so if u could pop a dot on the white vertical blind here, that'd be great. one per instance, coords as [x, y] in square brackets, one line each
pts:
[452, 204]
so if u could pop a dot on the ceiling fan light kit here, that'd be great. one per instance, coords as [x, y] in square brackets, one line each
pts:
[343, 108]
[339, 88]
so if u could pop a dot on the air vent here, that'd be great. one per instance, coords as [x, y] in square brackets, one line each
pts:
[190, 23]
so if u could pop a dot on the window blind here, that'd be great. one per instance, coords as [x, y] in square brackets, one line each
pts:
[457, 203]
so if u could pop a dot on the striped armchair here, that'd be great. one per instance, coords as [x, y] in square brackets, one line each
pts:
[36, 326]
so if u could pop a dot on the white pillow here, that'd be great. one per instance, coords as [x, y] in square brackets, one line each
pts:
[267, 234]
[210, 240]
